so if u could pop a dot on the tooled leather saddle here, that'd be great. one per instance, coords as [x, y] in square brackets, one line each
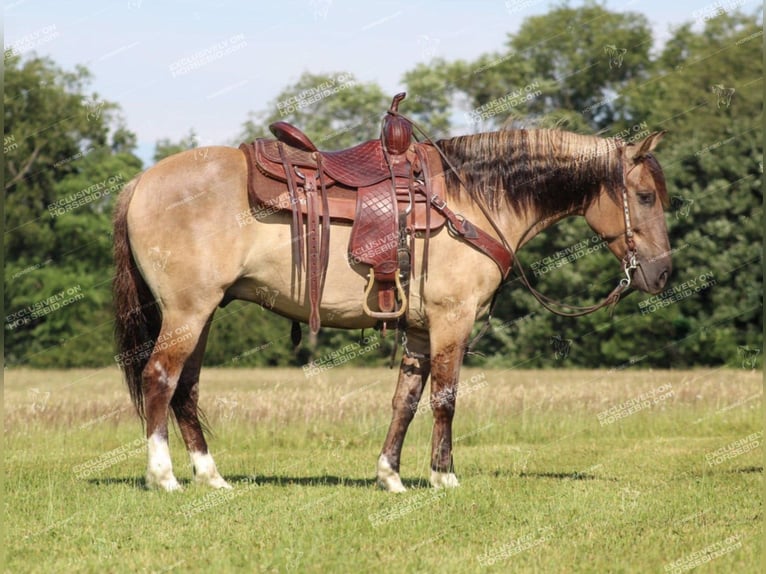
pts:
[390, 189]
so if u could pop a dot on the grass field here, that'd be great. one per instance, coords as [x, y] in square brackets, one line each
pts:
[561, 471]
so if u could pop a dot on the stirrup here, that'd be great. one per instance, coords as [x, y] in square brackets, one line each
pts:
[383, 314]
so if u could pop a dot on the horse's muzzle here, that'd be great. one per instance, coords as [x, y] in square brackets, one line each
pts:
[651, 277]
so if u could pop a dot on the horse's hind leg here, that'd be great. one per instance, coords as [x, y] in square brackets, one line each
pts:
[184, 405]
[174, 345]
[413, 374]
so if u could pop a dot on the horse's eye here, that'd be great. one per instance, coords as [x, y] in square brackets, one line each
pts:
[646, 198]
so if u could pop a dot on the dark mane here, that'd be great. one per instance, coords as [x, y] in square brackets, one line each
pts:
[553, 170]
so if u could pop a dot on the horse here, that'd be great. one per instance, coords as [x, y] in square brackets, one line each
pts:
[512, 184]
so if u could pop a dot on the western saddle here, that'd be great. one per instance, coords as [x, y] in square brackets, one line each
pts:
[390, 189]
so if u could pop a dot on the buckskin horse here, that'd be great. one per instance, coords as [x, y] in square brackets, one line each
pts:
[194, 232]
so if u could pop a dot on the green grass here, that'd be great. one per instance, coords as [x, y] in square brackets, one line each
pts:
[544, 486]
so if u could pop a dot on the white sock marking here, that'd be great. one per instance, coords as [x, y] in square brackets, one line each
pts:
[159, 471]
[388, 479]
[205, 471]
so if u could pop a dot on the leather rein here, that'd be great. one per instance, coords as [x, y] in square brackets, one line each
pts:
[629, 263]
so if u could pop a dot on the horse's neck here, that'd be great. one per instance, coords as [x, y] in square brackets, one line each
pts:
[529, 225]
[517, 227]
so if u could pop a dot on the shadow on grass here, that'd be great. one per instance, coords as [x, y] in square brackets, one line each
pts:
[135, 482]
[556, 475]
[747, 470]
[324, 480]
[560, 475]
[238, 480]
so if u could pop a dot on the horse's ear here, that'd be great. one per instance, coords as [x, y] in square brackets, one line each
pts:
[636, 151]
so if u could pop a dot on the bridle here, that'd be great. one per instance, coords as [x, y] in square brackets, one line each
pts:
[629, 261]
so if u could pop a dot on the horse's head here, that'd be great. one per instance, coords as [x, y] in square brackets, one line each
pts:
[641, 231]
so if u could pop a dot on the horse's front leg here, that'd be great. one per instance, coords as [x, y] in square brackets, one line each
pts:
[413, 374]
[446, 358]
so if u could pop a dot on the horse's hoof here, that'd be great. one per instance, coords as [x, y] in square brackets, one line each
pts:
[166, 484]
[444, 479]
[205, 472]
[213, 481]
[388, 479]
[391, 485]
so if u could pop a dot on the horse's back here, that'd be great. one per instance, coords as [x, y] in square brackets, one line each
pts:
[194, 178]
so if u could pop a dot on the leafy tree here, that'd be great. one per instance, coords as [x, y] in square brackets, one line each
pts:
[68, 154]
[571, 62]
[431, 97]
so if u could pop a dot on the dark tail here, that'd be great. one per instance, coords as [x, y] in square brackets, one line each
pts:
[137, 317]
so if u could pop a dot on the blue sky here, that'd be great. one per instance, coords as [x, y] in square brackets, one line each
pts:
[176, 65]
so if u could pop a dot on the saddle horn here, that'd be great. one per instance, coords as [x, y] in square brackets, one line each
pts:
[397, 131]
[395, 103]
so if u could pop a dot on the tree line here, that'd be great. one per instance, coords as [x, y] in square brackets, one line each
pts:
[589, 70]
